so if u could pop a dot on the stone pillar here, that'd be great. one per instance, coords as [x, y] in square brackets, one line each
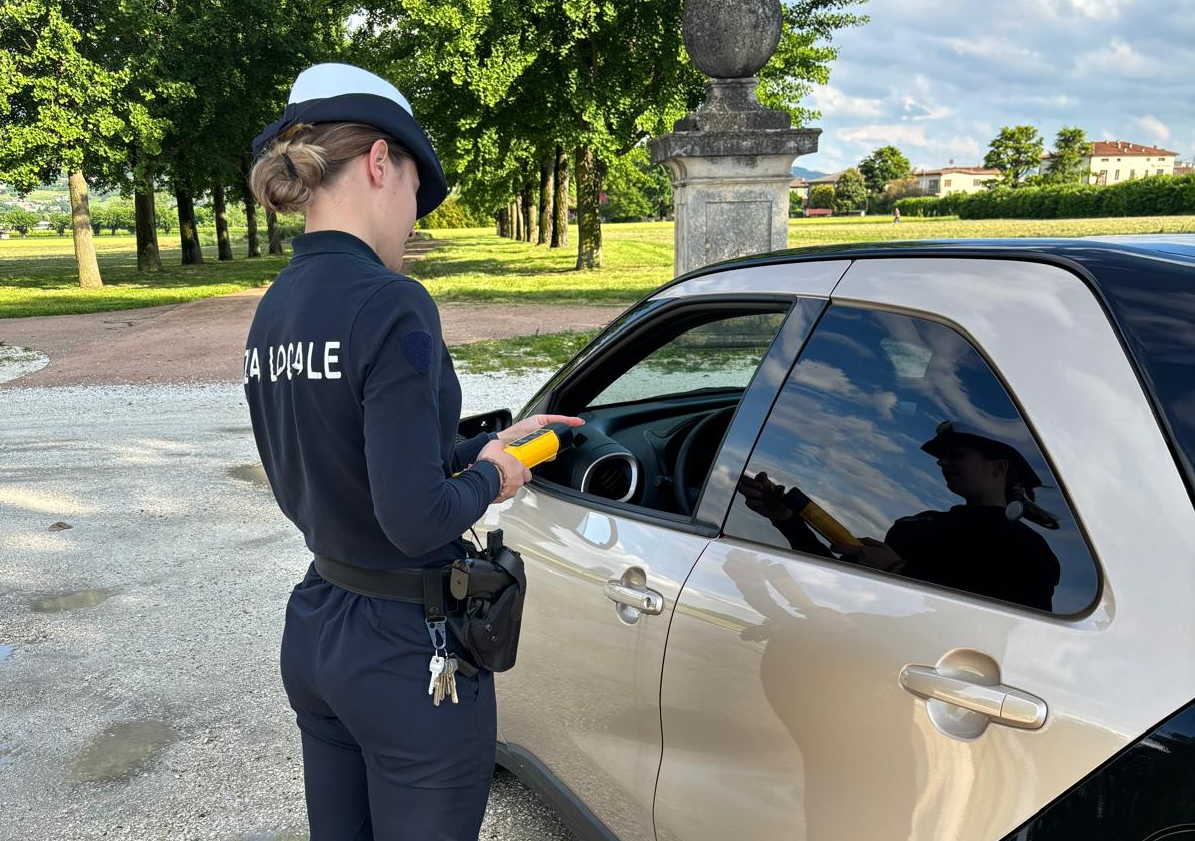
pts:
[731, 159]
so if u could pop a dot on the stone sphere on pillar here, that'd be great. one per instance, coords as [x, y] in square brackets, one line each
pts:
[731, 39]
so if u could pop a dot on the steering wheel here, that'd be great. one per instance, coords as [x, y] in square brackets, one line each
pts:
[680, 474]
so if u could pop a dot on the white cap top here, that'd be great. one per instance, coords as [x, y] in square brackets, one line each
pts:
[322, 81]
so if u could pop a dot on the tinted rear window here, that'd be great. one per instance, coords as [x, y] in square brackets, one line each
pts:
[1154, 304]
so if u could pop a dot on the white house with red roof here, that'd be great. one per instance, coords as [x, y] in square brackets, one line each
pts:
[954, 179]
[1113, 161]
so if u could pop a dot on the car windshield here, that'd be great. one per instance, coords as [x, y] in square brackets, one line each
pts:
[718, 355]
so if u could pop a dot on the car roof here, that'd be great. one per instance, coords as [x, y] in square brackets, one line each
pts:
[1079, 250]
[1146, 284]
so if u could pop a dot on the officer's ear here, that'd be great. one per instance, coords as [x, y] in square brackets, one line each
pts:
[378, 163]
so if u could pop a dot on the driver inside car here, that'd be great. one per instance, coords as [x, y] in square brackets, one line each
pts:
[981, 546]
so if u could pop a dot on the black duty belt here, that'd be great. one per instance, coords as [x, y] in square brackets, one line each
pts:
[400, 585]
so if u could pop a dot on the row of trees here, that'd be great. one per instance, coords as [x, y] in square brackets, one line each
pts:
[117, 216]
[519, 98]
[1156, 195]
[884, 179]
[1017, 152]
[530, 101]
[137, 95]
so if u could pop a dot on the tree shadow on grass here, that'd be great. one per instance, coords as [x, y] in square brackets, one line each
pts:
[493, 267]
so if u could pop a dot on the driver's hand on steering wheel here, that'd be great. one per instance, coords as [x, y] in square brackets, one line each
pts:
[765, 497]
[534, 423]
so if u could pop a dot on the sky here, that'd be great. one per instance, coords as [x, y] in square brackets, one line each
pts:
[938, 78]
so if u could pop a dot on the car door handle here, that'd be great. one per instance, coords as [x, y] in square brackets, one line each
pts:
[644, 601]
[1002, 704]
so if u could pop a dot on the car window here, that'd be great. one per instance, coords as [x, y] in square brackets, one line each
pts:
[894, 445]
[718, 354]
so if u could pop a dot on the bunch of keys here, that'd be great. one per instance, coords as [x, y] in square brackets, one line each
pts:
[442, 666]
[443, 678]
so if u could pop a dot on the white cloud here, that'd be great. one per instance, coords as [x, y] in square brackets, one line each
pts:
[1000, 51]
[833, 102]
[1153, 129]
[915, 110]
[884, 134]
[1098, 9]
[1117, 59]
[963, 147]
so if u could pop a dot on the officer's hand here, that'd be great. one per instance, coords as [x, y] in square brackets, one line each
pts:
[872, 554]
[765, 497]
[516, 475]
[533, 423]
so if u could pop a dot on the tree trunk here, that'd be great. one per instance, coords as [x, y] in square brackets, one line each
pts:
[223, 241]
[251, 222]
[590, 174]
[272, 232]
[512, 220]
[243, 169]
[560, 200]
[502, 222]
[519, 224]
[89, 269]
[146, 224]
[546, 165]
[188, 233]
[531, 211]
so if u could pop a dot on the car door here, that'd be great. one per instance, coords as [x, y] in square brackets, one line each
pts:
[581, 707]
[922, 686]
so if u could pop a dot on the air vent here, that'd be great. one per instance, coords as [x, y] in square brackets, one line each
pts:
[613, 476]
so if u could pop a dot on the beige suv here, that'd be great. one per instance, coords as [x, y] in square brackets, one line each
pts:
[878, 542]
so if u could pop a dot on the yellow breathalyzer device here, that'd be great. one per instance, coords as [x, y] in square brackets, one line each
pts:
[820, 519]
[541, 445]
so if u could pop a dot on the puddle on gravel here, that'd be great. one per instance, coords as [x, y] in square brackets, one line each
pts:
[121, 751]
[254, 473]
[7, 755]
[73, 601]
[5, 650]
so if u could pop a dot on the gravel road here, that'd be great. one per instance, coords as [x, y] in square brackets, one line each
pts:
[144, 569]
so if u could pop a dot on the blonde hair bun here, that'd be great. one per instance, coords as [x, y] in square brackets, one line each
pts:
[288, 171]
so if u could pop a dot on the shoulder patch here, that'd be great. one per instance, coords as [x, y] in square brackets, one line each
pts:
[417, 348]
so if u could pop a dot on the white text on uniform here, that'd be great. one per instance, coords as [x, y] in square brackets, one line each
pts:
[294, 360]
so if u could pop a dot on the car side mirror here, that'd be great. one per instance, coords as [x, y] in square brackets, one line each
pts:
[494, 421]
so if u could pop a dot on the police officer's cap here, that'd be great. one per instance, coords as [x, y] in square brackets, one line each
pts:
[951, 432]
[342, 93]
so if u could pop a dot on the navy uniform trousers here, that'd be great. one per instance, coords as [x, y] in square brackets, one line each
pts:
[380, 761]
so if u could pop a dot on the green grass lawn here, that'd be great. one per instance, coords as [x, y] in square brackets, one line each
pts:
[476, 265]
[37, 275]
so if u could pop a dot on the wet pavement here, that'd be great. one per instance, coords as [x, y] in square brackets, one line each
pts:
[139, 687]
[72, 601]
[121, 751]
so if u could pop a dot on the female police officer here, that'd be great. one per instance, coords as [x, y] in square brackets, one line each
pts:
[354, 405]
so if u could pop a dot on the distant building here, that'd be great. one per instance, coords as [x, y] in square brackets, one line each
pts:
[1184, 167]
[1113, 161]
[830, 178]
[954, 179]
[800, 186]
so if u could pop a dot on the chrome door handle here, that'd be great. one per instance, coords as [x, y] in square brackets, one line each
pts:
[1002, 704]
[644, 601]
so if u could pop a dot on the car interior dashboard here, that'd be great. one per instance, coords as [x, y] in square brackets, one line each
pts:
[649, 453]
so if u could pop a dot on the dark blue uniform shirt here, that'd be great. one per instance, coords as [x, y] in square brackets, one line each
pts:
[355, 406]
